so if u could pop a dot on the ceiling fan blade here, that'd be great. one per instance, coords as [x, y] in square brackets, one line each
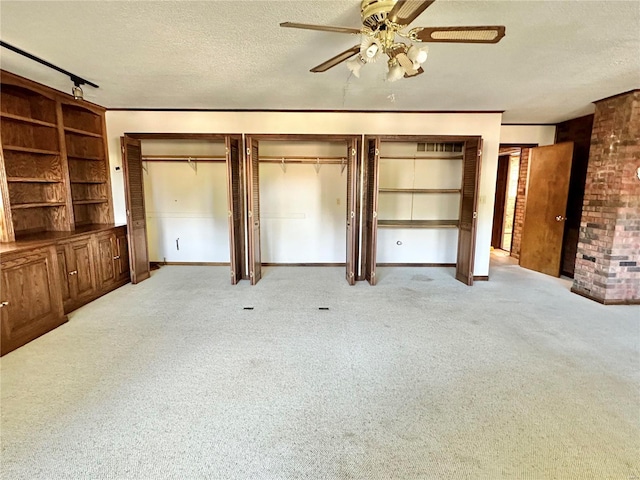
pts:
[481, 34]
[322, 28]
[332, 62]
[418, 72]
[406, 11]
[407, 64]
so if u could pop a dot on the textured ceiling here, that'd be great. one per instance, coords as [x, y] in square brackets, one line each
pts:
[557, 56]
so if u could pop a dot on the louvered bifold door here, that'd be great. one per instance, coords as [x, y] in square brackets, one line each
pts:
[136, 216]
[352, 224]
[468, 210]
[234, 199]
[253, 221]
[370, 241]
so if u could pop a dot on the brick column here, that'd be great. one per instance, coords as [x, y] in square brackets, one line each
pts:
[521, 200]
[608, 260]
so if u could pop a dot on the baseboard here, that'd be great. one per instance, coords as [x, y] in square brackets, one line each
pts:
[415, 265]
[481, 278]
[273, 264]
[606, 301]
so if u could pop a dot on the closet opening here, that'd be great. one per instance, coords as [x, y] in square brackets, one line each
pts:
[302, 202]
[421, 203]
[184, 199]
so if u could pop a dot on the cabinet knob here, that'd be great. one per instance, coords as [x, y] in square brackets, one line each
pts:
[75, 272]
[3, 304]
[116, 257]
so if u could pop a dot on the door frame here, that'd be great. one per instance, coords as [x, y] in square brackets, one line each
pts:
[351, 141]
[225, 139]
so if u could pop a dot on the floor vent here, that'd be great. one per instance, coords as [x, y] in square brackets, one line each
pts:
[248, 308]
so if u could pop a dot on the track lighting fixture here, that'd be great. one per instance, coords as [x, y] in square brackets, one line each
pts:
[76, 91]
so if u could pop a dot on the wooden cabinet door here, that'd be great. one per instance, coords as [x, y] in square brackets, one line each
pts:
[30, 299]
[106, 248]
[253, 221]
[136, 216]
[122, 255]
[83, 284]
[352, 220]
[370, 230]
[468, 210]
[546, 208]
[63, 274]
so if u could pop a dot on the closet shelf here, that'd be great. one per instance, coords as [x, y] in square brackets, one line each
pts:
[78, 131]
[39, 151]
[418, 223]
[32, 121]
[419, 190]
[89, 202]
[32, 180]
[20, 206]
[92, 182]
[91, 158]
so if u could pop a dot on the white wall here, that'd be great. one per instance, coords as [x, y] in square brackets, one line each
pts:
[418, 245]
[302, 212]
[486, 125]
[539, 134]
[187, 203]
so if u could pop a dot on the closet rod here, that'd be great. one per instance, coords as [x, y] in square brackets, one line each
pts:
[183, 158]
[302, 159]
[421, 157]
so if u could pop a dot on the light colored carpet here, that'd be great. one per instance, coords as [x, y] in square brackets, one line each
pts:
[419, 377]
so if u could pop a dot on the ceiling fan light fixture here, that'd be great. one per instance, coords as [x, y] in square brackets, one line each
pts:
[355, 64]
[370, 49]
[396, 71]
[418, 55]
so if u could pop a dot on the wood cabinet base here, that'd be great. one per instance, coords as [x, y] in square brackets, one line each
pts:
[43, 279]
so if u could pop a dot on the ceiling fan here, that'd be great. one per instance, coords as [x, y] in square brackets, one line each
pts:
[382, 21]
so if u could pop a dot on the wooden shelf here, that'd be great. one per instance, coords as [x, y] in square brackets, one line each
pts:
[418, 223]
[419, 190]
[19, 206]
[86, 157]
[32, 121]
[32, 180]
[39, 151]
[92, 182]
[89, 202]
[87, 133]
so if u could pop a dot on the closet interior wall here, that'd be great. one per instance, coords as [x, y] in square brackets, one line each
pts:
[418, 204]
[303, 197]
[185, 188]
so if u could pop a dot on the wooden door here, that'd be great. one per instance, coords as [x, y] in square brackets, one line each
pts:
[63, 270]
[30, 301]
[136, 216]
[234, 200]
[502, 183]
[546, 206]
[253, 220]
[468, 210]
[83, 284]
[370, 243]
[106, 270]
[352, 219]
[122, 255]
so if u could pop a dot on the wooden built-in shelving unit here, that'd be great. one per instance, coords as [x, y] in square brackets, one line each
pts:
[55, 174]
